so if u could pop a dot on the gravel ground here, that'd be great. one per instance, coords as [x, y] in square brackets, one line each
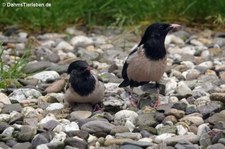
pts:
[191, 114]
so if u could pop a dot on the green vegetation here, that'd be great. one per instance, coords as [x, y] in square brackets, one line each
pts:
[113, 12]
[8, 74]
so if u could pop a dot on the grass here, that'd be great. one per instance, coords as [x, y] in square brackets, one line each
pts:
[113, 12]
[7, 75]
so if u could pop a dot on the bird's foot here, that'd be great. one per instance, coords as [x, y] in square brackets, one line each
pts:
[98, 107]
[133, 101]
[157, 103]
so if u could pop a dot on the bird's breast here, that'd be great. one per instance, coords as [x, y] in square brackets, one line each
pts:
[141, 68]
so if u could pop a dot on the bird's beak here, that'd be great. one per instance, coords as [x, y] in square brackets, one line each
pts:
[90, 68]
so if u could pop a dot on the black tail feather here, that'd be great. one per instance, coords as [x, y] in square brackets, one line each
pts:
[124, 83]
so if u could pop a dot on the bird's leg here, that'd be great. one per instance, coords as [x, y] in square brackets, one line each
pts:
[133, 100]
[97, 107]
[157, 103]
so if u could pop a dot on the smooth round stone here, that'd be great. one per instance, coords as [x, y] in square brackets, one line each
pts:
[26, 133]
[8, 131]
[191, 109]
[210, 107]
[4, 117]
[50, 125]
[197, 120]
[134, 136]
[129, 146]
[205, 140]
[97, 126]
[58, 137]
[189, 137]
[79, 133]
[47, 118]
[207, 64]
[55, 106]
[146, 119]
[24, 94]
[36, 66]
[63, 45]
[78, 115]
[117, 141]
[74, 142]
[123, 115]
[166, 130]
[216, 146]
[38, 140]
[183, 90]
[162, 137]
[8, 108]
[119, 129]
[81, 41]
[217, 97]
[46, 76]
[4, 99]
[170, 118]
[186, 145]
[3, 126]
[26, 145]
[73, 126]
[177, 113]
[192, 74]
[42, 146]
[180, 106]
[29, 112]
[222, 141]
[181, 130]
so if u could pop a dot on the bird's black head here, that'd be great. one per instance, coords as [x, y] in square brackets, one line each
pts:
[81, 79]
[157, 31]
[154, 38]
[78, 66]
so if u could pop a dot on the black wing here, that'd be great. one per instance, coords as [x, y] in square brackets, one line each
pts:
[126, 80]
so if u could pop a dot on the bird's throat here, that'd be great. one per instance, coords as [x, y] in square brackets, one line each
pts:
[154, 52]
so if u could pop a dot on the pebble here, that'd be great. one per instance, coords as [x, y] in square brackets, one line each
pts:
[97, 126]
[8, 108]
[81, 41]
[217, 97]
[190, 137]
[129, 146]
[46, 76]
[55, 106]
[23, 94]
[36, 66]
[73, 126]
[118, 141]
[177, 113]
[146, 119]
[163, 137]
[4, 99]
[78, 115]
[122, 116]
[74, 142]
[216, 146]
[183, 90]
[26, 145]
[63, 45]
[197, 120]
[131, 135]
